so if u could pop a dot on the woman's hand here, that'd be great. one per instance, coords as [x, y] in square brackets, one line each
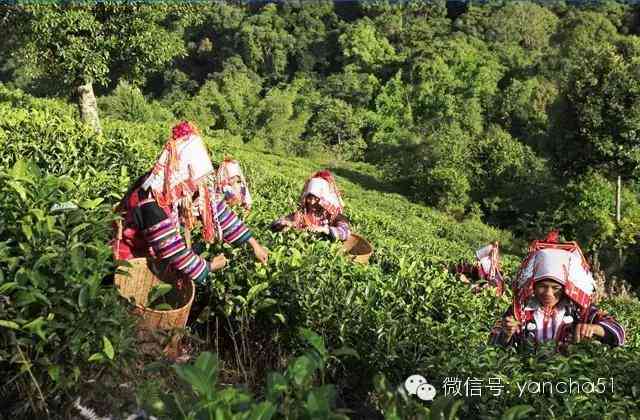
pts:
[218, 262]
[259, 251]
[510, 325]
[319, 229]
[587, 331]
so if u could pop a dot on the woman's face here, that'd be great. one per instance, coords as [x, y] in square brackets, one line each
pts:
[312, 203]
[548, 292]
[235, 182]
[233, 193]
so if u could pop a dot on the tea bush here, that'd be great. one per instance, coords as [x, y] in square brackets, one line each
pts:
[18, 99]
[57, 321]
[300, 392]
[127, 103]
[59, 145]
[405, 313]
[402, 314]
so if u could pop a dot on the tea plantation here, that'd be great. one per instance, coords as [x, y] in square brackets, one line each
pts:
[310, 335]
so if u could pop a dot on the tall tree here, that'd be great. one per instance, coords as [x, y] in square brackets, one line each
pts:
[315, 27]
[365, 48]
[266, 45]
[82, 45]
[212, 38]
[605, 99]
[336, 126]
[597, 124]
[232, 97]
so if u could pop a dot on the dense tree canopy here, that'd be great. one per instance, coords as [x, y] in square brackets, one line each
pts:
[83, 45]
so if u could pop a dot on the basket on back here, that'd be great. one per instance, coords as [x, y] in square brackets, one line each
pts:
[358, 248]
[137, 281]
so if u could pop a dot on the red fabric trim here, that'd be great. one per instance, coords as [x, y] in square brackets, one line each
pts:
[183, 129]
[571, 290]
[577, 295]
[552, 236]
[208, 229]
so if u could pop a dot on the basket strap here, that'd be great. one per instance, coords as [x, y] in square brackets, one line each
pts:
[120, 229]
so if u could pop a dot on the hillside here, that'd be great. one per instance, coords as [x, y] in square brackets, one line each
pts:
[389, 219]
[400, 315]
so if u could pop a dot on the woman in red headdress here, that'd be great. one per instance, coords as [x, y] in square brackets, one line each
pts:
[552, 301]
[179, 191]
[320, 209]
[485, 272]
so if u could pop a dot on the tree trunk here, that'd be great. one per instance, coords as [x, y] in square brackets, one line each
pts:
[88, 106]
[618, 205]
[618, 195]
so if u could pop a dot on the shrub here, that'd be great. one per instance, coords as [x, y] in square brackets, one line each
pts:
[57, 321]
[127, 103]
[293, 394]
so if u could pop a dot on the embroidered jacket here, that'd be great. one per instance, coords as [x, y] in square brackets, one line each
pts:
[537, 328]
[339, 229]
[150, 230]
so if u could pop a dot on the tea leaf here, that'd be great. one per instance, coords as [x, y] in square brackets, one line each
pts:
[158, 291]
[107, 348]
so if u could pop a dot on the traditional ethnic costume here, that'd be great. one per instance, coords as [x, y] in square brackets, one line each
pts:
[179, 189]
[565, 264]
[321, 185]
[232, 185]
[486, 268]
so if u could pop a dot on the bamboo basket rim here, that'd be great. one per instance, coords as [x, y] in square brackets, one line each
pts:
[138, 261]
[358, 238]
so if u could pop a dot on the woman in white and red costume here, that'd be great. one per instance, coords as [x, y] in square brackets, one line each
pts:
[552, 301]
[177, 192]
[320, 209]
[232, 184]
[486, 268]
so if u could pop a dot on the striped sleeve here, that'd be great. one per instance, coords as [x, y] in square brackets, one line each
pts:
[340, 230]
[168, 245]
[614, 334]
[234, 231]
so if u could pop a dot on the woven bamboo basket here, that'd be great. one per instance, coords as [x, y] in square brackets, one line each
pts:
[137, 281]
[358, 248]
